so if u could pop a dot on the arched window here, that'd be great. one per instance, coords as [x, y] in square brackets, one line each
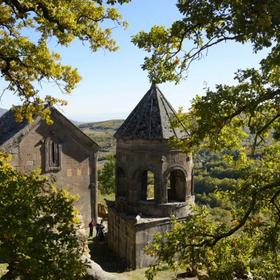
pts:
[148, 185]
[120, 182]
[52, 155]
[176, 186]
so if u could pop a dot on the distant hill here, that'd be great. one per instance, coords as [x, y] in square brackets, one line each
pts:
[102, 133]
[103, 125]
[2, 111]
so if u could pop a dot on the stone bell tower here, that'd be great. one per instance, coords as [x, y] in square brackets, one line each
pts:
[153, 180]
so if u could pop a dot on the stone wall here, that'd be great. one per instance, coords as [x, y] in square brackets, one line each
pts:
[77, 173]
[128, 236]
[121, 236]
[135, 156]
[145, 230]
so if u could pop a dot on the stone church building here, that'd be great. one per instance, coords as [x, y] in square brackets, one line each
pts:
[153, 179]
[61, 151]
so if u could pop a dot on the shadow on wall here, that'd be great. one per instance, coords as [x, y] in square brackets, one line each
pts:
[101, 254]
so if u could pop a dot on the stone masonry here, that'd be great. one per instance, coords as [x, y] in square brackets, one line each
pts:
[143, 151]
[62, 151]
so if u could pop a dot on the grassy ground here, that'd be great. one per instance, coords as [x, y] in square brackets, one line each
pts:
[139, 274]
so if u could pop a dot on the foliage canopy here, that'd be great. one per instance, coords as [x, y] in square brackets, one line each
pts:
[242, 121]
[106, 176]
[25, 59]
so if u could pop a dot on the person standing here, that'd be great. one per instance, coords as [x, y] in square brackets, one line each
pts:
[100, 233]
[91, 225]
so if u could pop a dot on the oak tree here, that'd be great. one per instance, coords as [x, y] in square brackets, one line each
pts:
[25, 58]
[39, 238]
[242, 122]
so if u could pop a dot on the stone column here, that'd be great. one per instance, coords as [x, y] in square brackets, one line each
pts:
[159, 195]
[93, 184]
[163, 194]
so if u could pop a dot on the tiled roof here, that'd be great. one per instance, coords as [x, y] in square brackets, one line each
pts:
[9, 127]
[151, 119]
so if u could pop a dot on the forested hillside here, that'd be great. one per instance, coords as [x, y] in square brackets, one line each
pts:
[102, 133]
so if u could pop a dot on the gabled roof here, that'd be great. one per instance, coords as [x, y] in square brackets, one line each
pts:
[10, 128]
[151, 119]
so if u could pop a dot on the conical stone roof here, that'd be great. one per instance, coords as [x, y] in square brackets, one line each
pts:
[151, 119]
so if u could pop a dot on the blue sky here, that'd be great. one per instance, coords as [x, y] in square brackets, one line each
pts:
[113, 83]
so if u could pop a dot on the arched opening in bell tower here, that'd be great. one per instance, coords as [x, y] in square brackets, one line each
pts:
[176, 186]
[148, 185]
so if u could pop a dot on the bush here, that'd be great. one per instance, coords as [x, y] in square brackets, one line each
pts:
[38, 228]
[106, 176]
